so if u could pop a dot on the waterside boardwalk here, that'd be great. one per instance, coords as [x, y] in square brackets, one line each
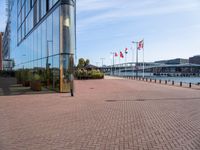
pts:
[110, 114]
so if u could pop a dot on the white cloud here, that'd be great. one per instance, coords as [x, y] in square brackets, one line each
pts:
[103, 11]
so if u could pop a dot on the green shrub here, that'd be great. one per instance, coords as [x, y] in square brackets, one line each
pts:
[36, 77]
[4, 73]
[90, 74]
[25, 75]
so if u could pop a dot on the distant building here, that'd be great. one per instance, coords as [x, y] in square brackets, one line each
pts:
[174, 61]
[7, 64]
[194, 59]
[161, 62]
[1, 50]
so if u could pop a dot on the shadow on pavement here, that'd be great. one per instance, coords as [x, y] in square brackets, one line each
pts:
[9, 87]
[156, 99]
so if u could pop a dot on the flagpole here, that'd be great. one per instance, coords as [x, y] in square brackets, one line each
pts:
[136, 63]
[118, 66]
[113, 63]
[143, 58]
[133, 56]
[125, 64]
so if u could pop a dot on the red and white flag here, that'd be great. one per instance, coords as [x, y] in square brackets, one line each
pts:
[126, 50]
[116, 54]
[140, 45]
[121, 55]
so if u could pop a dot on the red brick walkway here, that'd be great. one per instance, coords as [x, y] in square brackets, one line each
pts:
[104, 115]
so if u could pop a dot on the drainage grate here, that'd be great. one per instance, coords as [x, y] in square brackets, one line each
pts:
[139, 100]
[110, 100]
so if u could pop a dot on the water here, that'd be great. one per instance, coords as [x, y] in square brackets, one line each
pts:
[193, 80]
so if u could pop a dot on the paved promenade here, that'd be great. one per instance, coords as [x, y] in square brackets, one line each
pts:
[104, 115]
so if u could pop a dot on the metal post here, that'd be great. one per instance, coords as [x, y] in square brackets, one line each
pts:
[112, 67]
[136, 64]
[102, 61]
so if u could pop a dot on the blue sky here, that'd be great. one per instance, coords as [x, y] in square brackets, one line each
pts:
[170, 28]
[2, 15]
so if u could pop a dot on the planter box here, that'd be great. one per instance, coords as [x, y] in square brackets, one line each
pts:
[26, 83]
[36, 85]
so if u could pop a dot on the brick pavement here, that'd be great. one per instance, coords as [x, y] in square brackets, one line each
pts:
[103, 115]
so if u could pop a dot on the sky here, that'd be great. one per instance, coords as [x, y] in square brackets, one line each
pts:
[2, 15]
[170, 29]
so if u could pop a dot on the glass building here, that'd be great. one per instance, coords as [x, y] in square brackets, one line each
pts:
[42, 39]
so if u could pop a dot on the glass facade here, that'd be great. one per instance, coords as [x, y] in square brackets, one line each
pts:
[43, 39]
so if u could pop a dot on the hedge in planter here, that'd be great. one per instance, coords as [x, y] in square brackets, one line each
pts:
[26, 77]
[92, 74]
[36, 83]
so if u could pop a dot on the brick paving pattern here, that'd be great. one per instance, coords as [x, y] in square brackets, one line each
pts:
[103, 115]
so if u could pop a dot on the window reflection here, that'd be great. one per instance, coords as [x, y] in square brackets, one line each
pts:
[36, 41]
[56, 32]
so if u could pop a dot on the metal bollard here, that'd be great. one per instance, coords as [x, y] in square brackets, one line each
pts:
[172, 82]
[155, 80]
[165, 81]
[146, 80]
[190, 85]
[181, 84]
[160, 81]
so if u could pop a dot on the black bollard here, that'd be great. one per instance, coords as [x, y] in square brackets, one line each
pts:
[190, 85]
[165, 81]
[172, 82]
[181, 84]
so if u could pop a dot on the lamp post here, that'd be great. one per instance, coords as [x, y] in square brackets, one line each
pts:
[102, 59]
[97, 64]
[48, 65]
[113, 55]
[136, 64]
[24, 55]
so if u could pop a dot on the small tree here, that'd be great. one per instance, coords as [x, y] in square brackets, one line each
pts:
[87, 62]
[81, 63]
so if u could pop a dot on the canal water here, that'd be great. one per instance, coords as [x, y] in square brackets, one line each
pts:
[193, 80]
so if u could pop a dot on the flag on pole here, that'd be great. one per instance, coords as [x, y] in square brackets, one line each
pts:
[121, 55]
[126, 50]
[140, 45]
[116, 54]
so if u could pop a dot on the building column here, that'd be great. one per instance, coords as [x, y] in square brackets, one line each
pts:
[67, 44]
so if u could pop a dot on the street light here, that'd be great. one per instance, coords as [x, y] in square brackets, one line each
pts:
[24, 55]
[48, 65]
[102, 59]
[97, 64]
[136, 64]
[113, 55]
